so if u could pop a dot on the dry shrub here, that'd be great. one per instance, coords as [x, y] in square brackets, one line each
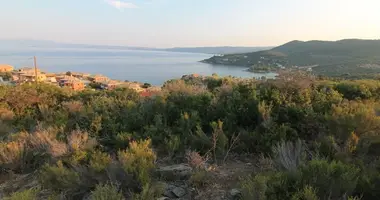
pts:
[289, 155]
[27, 151]
[180, 87]
[6, 114]
[195, 160]
[73, 106]
[45, 140]
[79, 140]
[224, 90]
[138, 159]
[10, 153]
[265, 163]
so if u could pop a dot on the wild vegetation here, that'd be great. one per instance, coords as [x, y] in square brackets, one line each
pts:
[310, 138]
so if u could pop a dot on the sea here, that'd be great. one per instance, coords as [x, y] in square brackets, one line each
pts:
[154, 67]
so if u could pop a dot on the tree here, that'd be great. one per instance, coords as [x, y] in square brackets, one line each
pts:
[69, 73]
[146, 85]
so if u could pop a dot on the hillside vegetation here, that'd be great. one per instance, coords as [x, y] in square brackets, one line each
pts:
[344, 57]
[298, 138]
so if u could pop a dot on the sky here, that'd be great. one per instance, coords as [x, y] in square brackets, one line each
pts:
[189, 23]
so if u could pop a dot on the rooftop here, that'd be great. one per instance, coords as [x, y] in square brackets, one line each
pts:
[6, 66]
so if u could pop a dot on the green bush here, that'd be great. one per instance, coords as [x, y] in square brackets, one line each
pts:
[327, 147]
[59, 178]
[283, 185]
[330, 179]
[139, 160]
[30, 194]
[200, 178]
[172, 144]
[106, 192]
[307, 193]
[149, 192]
[254, 188]
[369, 184]
[99, 161]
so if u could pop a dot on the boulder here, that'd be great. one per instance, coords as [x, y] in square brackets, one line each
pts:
[234, 194]
[175, 172]
[179, 192]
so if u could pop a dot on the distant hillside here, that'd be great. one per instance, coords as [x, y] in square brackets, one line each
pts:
[218, 50]
[341, 57]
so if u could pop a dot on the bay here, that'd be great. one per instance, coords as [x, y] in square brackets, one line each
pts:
[153, 67]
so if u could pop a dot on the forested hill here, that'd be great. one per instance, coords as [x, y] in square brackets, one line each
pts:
[330, 58]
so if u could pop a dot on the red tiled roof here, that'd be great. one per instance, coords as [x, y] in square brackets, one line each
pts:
[146, 94]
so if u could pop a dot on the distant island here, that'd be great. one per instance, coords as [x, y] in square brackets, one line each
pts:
[218, 50]
[350, 57]
[205, 50]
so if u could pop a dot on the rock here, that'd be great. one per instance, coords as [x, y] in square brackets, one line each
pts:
[163, 198]
[179, 192]
[234, 194]
[168, 191]
[175, 172]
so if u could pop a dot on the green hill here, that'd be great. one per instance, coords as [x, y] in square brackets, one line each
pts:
[353, 57]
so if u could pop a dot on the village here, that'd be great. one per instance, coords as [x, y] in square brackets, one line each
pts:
[76, 81]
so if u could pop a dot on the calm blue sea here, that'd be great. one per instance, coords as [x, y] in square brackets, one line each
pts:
[154, 67]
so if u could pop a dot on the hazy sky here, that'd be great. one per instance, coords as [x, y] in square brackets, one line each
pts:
[168, 23]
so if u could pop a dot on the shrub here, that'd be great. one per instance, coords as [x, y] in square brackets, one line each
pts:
[26, 152]
[122, 140]
[30, 194]
[79, 140]
[106, 192]
[59, 178]
[327, 147]
[172, 144]
[307, 193]
[99, 161]
[149, 192]
[332, 180]
[73, 106]
[254, 188]
[200, 178]
[369, 184]
[283, 185]
[139, 159]
[195, 160]
[78, 157]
